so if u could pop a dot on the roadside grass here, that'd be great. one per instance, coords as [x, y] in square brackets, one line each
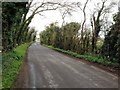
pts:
[92, 58]
[11, 64]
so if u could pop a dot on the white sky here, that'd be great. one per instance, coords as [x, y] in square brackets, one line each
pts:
[39, 22]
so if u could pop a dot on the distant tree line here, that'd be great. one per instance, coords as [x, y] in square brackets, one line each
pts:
[15, 30]
[68, 37]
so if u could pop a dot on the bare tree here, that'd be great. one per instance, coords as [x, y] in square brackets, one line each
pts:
[42, 7]
[101, 12]
[83, 26]
[67, 11]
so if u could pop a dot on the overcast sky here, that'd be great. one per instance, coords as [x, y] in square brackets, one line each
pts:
[39, 22]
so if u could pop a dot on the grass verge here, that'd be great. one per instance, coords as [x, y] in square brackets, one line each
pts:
[92, 58]
[11, 64]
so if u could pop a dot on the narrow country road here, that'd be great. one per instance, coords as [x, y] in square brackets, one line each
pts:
[50, 69]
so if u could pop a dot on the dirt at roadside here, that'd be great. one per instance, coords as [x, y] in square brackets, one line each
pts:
[113, 70]
[110, 69]
[22, 79]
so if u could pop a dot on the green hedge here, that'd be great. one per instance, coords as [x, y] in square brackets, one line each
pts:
[92, 58]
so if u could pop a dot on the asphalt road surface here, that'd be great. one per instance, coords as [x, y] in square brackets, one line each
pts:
[51, 69]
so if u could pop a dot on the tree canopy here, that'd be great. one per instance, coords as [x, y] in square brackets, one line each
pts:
[12, 20]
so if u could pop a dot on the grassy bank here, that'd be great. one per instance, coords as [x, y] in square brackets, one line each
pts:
[11, 63]
[92, 58]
